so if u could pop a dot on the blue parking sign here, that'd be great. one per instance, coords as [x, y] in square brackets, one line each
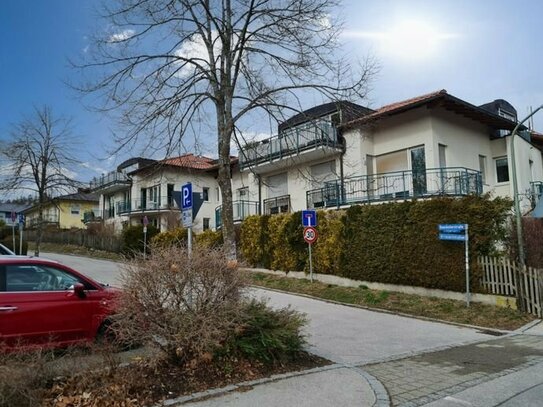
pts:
[186, 196]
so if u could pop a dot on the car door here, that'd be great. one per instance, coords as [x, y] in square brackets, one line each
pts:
[38, 306]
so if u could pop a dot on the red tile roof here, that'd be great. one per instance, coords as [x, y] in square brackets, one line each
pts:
[196, 162]
[398, 107]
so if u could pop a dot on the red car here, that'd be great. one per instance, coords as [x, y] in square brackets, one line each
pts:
[44, 303]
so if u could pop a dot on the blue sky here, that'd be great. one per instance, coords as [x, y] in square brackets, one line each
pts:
[477, 50]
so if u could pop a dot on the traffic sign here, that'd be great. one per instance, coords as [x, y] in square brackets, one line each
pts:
[452, 236]
[186, 196]
[452, 228]
[21, 218]
[13, 216]
[145, 221]
[186, 214]
[309, 218]
[310, 235]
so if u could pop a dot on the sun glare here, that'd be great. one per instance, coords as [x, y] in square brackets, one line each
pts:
[412, 39]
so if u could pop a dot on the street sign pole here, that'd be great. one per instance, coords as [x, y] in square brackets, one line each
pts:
[20, 239]
[467, 266]
[145, 223]
[13, 219]
[310, 264]
[310, 237]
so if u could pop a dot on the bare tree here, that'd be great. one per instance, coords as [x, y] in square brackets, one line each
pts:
[165, 64]
[38, 159]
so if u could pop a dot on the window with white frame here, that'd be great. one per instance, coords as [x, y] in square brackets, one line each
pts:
[205, 194]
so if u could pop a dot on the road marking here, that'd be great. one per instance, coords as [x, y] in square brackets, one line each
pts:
[458, 401]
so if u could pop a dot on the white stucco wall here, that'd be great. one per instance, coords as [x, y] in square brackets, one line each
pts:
[177, 177]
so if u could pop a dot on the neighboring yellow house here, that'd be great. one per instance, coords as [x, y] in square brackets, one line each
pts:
[63, 212]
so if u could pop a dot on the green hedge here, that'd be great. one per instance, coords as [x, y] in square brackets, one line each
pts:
[132, 238]
[394, 243]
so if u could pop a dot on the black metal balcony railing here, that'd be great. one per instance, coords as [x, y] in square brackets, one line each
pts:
[537, 192]
[241, 210]
[399, 185]
[92, 216]
[279, 204]
[142, 205]
[109, 179]
[307, 136]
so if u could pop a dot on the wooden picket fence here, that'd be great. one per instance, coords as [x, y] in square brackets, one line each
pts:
[505, 277]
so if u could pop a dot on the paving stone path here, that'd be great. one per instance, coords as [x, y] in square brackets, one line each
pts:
[417, 380]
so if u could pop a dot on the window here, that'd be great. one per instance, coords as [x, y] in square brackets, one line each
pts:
[40, 278]
[442, 156]
[243, 194]
[75, 209]
[482, 168]
[206, 223]
[205, 194]
[218, 191]
[502, 170]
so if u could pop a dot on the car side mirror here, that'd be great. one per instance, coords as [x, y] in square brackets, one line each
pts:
[79, 290]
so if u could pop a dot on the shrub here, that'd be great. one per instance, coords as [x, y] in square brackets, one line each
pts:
[175, 237]
[254, 241]
[328, 247]
[8, 242]
[209, 238]
[183, 306]
[193, 309]
[132, 238]
[268, 335]
[287, 246]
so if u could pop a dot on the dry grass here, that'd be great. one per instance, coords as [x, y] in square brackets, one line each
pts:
[447, 310]
[75, 250]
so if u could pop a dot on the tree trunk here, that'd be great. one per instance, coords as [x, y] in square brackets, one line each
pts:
[39, 231]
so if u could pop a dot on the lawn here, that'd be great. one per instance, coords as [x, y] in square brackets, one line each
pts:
[482, 315]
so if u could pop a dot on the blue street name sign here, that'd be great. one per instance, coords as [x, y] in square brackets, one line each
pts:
[452, 228]
[309, 218]
[452, 236]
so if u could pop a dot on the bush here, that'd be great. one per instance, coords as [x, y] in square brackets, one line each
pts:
[184, 307]
[193, 309]
[209, 239]
[176, 237]
[132, 238]
[8, 242]
[267, 334]
[395, 243]
[255, 241]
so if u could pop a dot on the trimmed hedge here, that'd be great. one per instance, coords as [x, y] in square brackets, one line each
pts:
[395, 243]
[177, 236]
[132, 238]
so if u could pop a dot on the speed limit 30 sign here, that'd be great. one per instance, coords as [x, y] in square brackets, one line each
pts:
[310, 235]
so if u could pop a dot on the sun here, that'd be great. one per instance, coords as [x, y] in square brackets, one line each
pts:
[412, 39]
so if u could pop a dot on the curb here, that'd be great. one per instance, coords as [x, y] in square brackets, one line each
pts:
[384, 311]
[529, 325]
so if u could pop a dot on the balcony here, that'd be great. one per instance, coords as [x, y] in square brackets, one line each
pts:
[110, 183]
[47, 219]
[306, 142]
[241, 209]
[147, 205]
[92, 216]
[394, 186]
[279, 204]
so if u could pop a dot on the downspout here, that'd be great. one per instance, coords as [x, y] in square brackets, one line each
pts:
[259, 194]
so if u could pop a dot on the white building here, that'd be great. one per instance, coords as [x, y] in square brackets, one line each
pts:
[339, 154]
[142, 187]
[432, 145]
